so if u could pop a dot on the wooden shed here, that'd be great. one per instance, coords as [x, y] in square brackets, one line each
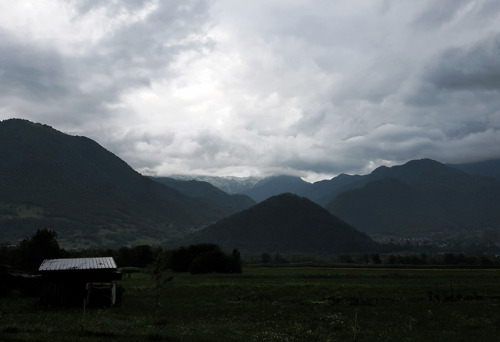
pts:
[77, 281]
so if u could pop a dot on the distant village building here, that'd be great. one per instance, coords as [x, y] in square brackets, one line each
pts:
[79, 281]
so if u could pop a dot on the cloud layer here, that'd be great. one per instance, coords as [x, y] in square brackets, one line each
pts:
[227, 87]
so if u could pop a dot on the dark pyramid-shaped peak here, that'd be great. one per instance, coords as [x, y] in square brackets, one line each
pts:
[285, 223]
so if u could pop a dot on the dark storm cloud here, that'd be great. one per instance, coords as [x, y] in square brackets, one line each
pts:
[459, 90]
[440, 13]
[23, 75]
[475, 68]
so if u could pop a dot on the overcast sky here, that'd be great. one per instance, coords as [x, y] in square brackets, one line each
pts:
[311, 88]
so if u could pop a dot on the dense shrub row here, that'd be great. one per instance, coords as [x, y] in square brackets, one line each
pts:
[200, 258]
[204, 258]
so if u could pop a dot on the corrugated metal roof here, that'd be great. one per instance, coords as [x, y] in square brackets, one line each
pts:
[77, 264]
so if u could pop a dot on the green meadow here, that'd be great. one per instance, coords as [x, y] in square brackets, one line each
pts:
[276, 304]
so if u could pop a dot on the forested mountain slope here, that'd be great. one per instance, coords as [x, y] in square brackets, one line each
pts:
[204, 190]
[87, 194]
[421, 196]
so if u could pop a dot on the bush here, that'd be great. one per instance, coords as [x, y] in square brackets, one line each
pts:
[204, 258]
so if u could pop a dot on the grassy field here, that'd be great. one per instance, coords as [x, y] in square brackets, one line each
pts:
[277, 304]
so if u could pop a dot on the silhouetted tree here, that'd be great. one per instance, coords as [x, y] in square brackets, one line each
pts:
[180, 260]
[158, 268]
[43, 245]
[204, 258]
[124, 257]
[213, 261]
[236, 262]
[265, 258]
[143, 255]
[345, 258]
[376, 259]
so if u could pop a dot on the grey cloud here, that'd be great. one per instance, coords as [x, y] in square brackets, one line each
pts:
[30, 72]
[150, 43]
[468, 128]
[130, 58]
[141, 150]
[469, 75]
[321, 164]
[310, 122]
[213, 150]
[86, 6]
[394, 143]
[439, 13]
[476, 68]
[436, 15]
[209, 146]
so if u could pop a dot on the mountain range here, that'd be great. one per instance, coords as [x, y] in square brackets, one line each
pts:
[418, 198]
[73, 185]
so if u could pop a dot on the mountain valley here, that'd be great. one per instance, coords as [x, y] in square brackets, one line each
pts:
[92, 198]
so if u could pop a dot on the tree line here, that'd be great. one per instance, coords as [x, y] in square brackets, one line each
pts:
[387, 259]
[28, 255]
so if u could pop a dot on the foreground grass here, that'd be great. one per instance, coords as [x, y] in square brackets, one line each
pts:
[278, 304]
